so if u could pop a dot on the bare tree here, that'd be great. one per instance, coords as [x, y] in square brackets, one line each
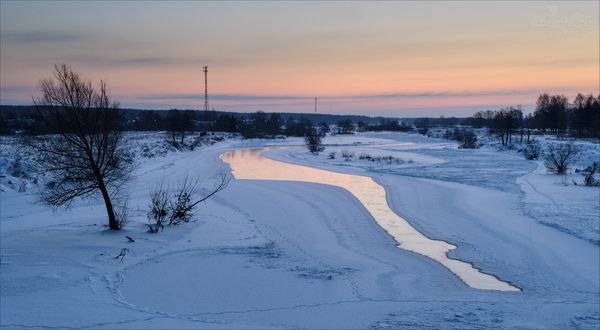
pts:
[87, 154]
[558, 157]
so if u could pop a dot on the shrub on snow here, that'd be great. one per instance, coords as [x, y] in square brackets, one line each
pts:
[468, 140]
[589, 175]
[347, 154]
[174, 206]
[532, 151]
[313, 140]
[559, 157]
[159, 208]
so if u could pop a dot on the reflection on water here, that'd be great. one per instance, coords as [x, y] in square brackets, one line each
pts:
[248, 164]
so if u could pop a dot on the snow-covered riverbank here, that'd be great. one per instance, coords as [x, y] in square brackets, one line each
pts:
[292, 254]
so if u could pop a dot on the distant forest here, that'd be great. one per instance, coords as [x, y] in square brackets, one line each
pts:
[25, 119]
[553, 114]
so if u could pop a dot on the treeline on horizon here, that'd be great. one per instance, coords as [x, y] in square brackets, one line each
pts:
[24, 119]
[553, 114]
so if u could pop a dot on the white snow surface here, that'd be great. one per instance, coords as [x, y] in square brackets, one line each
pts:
[273, 254]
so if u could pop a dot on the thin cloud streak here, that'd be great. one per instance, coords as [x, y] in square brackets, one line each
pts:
[43, 37]
[250, 97]
[111, 61]
[222, 97]
[136, 61]
[15, 89]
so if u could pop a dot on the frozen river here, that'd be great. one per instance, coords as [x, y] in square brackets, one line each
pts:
[249, 164]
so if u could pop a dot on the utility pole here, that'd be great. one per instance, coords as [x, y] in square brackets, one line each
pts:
[205, 88]
[315, 104]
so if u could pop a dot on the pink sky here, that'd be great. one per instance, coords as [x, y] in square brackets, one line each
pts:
[373, 58]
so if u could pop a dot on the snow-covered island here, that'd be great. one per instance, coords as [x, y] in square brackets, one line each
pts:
[275, 253]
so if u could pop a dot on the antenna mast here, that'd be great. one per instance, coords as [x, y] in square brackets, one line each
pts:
[205, 88]
[315, 104]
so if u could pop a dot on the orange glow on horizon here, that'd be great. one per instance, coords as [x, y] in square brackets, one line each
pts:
[493, 54]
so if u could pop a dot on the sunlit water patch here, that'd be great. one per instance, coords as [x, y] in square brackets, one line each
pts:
[249, 164]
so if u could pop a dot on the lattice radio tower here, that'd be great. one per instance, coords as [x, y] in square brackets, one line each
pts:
[205, 88]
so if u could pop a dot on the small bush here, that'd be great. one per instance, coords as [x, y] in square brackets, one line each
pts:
[198, 141]
[181, 206]
[559, 156]
[175, 206]
[532, 151]
[332, 155]
[450, 135]
[347, 154]
[313, 141]
[159, 208]
[589, 175]
[389, 159]
[121, 214]
[17, 169]
[467, 139]
[363, 155]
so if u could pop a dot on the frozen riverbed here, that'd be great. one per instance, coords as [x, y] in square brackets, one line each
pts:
[249, 164]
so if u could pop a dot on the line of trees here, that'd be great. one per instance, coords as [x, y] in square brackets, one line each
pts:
[178, 124]
[385, 125]
[345, 126]
[553, 113]
[261, 125]
[584, 115]
[504, 123]
[22, 119]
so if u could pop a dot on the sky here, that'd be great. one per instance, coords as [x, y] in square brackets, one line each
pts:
[401, 58]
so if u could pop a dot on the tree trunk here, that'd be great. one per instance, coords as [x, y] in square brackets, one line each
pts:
[112, 219]
[522, 132]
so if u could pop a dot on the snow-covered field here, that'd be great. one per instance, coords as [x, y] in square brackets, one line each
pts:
[272, 254]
